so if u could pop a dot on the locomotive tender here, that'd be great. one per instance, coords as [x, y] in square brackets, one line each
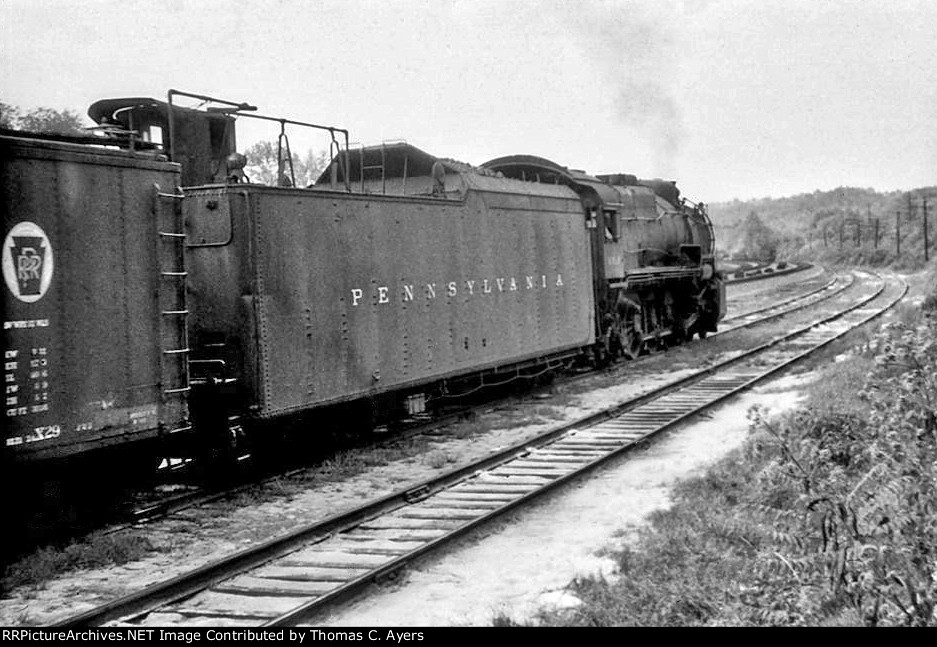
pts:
[140, 311]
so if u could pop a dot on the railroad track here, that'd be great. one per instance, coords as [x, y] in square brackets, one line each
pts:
[195, 496]
[294, 577]
[766, 272]
[831, 288]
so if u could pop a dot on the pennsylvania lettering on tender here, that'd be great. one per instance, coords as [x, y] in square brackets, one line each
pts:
[381, 294]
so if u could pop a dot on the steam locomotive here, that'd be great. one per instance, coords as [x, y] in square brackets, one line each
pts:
[158, 300]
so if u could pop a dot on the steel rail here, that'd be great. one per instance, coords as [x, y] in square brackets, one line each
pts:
[183, 501]
[609, 438]
[762, 275]
[134, 607]
[780, 306]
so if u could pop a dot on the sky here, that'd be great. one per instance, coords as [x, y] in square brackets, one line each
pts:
[731, 98]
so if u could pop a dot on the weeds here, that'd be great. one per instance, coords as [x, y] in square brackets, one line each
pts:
[827, 517]
[867, 491]
[93, 552]
[437, 459]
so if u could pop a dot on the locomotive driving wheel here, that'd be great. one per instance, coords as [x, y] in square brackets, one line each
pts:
[631, 333]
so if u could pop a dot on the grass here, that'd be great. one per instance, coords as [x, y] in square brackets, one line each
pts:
[833, 391]
[823, 518]
[437, 459]
[95, 551]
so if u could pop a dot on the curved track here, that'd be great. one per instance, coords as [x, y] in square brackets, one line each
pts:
[292, 578]
[765, 271]
[182, 501]
[831, 288]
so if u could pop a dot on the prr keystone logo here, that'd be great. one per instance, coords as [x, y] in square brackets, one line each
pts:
[27, 261]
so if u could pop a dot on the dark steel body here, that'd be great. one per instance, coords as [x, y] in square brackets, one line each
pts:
[90, 348]
[652, 231]
[653, 254]
[314, 296]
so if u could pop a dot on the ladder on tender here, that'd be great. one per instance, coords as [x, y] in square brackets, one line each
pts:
[173, 310]
[374, 167]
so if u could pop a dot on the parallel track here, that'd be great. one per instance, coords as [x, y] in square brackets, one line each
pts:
[830, 289]
[758, 273]
[185, 500]
[290, 579]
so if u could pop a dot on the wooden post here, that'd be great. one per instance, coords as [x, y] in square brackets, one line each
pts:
[876, 233]
[897, 233]
[926, 253]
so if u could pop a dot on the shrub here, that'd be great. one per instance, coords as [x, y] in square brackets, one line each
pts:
[866, 506]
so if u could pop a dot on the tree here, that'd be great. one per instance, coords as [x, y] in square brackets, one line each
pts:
[9, 115]
[759, 241]
[47, 120]
[42, 120]
[262, 164]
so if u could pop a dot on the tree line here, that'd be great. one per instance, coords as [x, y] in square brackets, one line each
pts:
[42, 120]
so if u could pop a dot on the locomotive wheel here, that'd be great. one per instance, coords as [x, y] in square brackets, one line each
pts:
[632, 342]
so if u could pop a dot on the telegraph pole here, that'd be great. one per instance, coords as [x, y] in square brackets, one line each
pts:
[898, 233]
[876, 233]
[926, 255]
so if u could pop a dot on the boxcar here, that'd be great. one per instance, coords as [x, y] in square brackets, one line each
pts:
[94, 317]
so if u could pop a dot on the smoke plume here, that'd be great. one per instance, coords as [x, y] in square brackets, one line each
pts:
[635, 47]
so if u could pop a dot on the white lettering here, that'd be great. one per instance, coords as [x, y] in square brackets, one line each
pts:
[26, 323]
[382, 295]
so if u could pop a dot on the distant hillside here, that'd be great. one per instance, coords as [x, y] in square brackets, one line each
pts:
[829, 226]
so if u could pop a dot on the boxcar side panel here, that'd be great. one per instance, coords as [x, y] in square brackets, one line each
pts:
[81, 323]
